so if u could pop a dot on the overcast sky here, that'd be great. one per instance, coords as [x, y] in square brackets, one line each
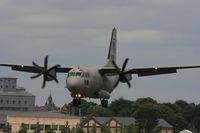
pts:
[77, 33]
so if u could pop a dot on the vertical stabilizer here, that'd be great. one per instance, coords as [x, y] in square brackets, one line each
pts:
[113, 48]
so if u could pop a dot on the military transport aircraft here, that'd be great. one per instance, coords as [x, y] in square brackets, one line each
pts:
[94, 82]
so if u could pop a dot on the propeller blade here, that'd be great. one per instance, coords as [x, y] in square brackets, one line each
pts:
[35, 76]
[45, 62]
[44, 83]
[53, 67]
[124, 65]
[37, 66]
[121, 72]
[129, 84]
[48, 74]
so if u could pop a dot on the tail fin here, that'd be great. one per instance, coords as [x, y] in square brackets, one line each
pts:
[113, 48]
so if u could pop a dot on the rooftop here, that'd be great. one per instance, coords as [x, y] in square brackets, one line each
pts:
[47, 114]
[18, 92]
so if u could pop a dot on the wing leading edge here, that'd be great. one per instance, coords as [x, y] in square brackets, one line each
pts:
[33, 69]
[146, 71]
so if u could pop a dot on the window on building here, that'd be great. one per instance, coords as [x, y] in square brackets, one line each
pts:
[54, 127]
[25, 102]
[1, 101]
[13, 102]
[19, 102]
[7, 101]
[47, 127]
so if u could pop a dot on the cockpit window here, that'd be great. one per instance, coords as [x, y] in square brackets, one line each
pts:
[78, 73]
[74, 74]
[85, 75]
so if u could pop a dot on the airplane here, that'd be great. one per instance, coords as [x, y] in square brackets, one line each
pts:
[94, 82]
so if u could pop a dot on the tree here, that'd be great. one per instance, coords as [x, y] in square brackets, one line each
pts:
[142, 101]
[37, 128]
[22, 129]
[181, 103]
[49, 130]
[180, 122]
[130, 129]
[146, 116]
[99, 111]
[121, 107]
[93, 129]
[85, 105]
[66, 128]
[6, 128]
[157, 129]
[78, 128]
[105, 129]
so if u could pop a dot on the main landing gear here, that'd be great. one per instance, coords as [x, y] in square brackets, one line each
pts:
[76, 102]
[104, 103]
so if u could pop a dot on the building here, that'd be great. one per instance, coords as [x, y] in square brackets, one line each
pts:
[117, 123]
[13, 97]
[48, 106]
[45, 120]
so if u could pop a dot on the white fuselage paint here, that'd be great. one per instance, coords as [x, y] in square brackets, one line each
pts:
[87, 82]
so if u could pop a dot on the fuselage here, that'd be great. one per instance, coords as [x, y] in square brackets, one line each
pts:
[89, 82]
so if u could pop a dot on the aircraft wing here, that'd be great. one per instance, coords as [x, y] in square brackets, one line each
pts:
[146, 71]
[156, 70]
[33, 69]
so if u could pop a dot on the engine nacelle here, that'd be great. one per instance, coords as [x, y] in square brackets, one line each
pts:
[53, 73]
[104, 94]
[128, 76]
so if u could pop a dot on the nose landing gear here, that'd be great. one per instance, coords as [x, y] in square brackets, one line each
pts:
[104, 103]
[77, 100]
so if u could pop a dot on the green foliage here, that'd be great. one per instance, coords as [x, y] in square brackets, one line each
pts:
[157, 129]
[121, 107]
[99, 111]
[93, 129]
[147, 116]
[85, 105]
[6, 128]
[130, 129]
[78, 128]
[37, 128]
[105, 129]
[22, 129]
[66, 128]
[139, 102]
[49, 130]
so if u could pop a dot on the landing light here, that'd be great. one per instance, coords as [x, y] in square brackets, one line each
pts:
[78, 95]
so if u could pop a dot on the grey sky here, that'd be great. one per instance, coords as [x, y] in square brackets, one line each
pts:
[77, 33]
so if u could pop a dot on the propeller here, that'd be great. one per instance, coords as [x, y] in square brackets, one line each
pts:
[47, 73]
[121, 72]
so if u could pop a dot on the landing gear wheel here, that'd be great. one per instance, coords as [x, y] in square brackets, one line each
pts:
[104, 103]
[76, 102]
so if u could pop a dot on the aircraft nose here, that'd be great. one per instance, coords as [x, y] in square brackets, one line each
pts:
[73, 84]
